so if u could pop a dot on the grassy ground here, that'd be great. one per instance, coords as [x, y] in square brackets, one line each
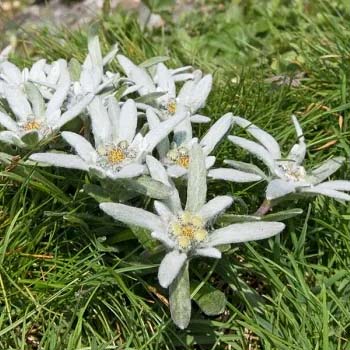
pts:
[71, 278]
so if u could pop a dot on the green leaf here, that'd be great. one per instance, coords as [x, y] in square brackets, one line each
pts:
[282, 215]
[153, 61]
[197, 180]
[149, 187]
[144, 237]
[31, 138]
[210, 300]
[180, 298]
[149, 98]
[98, 193]
[227, 219]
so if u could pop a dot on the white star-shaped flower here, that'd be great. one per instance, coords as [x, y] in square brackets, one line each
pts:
[286, 175]
[119, 151]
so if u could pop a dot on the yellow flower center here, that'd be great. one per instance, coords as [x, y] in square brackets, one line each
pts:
[294, 172]
[189, 229]
[179, 156]
[171, 107]
[183, 161]
[32, 125]
[116, 155]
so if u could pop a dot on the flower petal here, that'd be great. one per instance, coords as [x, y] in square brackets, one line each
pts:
[128, 121]
[197, 180]
[153, 121]
[61, 92]
[158, 172]
[165, 80]
[164, 238]
[176, 171]
[110, 54]
[62, 160]
[74, 111]
[326, 169]
[245, 167]
[233, 175]
[249, 231]
[208, 252]
[214, 207]
[298, 151]
[7, 122]
[129, 171]
[209, 162]
[36, 72]
[216, 132]
[163, 211]
[327, 192]
[95, 50]
[36, 99]
[114, 117]
[170, 267]
[338, 185]
[200, 93]
[262, 136]
[279, 188]
[255, 149]
[138, 75]
[156, 135]
[82, 146]
[18, 103]
[11, 73]
[199, 119]
[11, 138]
[100, 123]
[133, 216]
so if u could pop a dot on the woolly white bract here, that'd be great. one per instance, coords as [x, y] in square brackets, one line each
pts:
[118, 151]
[90, 79]
[175, 156]
[45, 76]
[286, 175]
[192, 95]
[186, 232]
[36, 118]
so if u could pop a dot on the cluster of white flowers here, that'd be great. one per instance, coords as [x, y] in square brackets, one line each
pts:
[148, 132]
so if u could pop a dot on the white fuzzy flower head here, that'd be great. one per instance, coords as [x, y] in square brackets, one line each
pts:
[118, 151]
[36, 117]
[45, 76]
[192, 95]
[175, 156]
[187, 232]
[90, 78]
[286, 175]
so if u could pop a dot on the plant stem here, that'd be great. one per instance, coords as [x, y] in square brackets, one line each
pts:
[264, 208]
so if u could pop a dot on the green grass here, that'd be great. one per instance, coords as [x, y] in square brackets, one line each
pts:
[72, 278]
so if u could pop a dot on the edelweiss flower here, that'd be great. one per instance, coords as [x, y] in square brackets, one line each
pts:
[118, 152]
[286, 175]
[175, 156]
[45, 76]
[92, 80]
[187, 232]
[35, 118]
[192, 95]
